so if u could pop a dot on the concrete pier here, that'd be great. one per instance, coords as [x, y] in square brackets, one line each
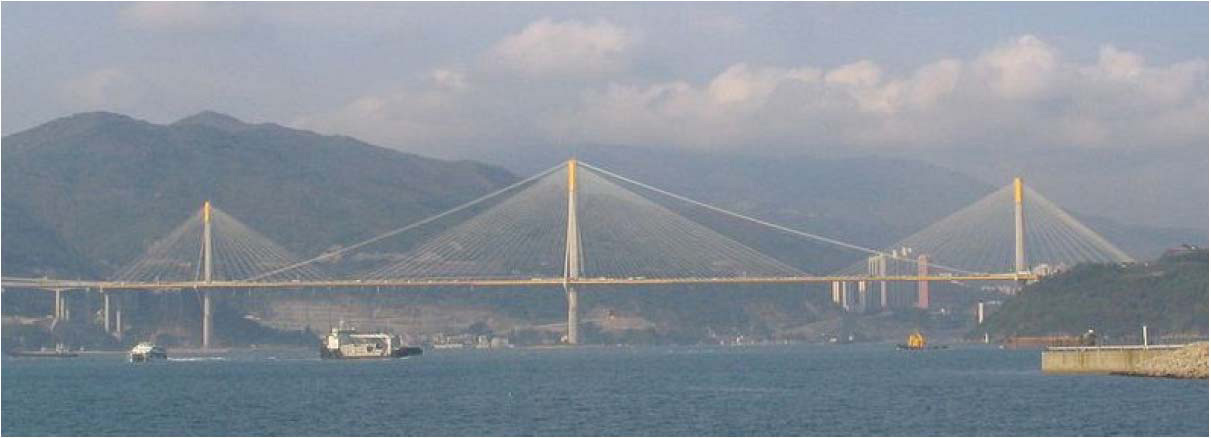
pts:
[60, 305]
[207, 320]
[923, 286]
[573, 316]
[105, 309]
[845, 299]
[118, 318]
[1101, 360]
[863, 302]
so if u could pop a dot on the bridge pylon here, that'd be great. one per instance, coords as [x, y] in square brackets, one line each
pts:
[573, 255]
[207, 275]
[1019, 229]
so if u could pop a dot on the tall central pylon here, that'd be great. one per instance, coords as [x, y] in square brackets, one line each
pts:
[207, 273]
[207, 244]
[573, 256]
[1019, 229]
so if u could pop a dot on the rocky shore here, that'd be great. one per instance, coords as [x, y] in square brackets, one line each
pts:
[1189, 362]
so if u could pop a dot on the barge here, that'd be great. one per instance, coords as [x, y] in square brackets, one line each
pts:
[351, 344]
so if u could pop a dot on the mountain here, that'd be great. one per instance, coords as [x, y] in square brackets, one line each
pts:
[1168, 295]
[85, 194]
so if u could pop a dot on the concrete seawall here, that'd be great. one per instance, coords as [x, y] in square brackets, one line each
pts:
[1105, 359]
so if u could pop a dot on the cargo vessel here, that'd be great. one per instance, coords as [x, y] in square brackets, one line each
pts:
[350, 344]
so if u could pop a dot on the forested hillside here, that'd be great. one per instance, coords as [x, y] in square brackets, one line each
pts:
[1168, 295]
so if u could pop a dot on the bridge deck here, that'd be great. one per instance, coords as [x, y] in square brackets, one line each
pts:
[51, 284]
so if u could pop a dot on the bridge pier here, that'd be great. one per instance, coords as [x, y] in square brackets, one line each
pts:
[58, 304]
[62, 311]
[105, 309]
[207, 320]
[922, 285]
[877, 266]
[883, 295]
[118, 318]
[862, 299]
[573, 316]
[845, 298]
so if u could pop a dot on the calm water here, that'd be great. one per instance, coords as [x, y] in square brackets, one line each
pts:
[785, 390]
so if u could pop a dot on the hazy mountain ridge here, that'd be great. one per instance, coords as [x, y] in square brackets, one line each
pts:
[110, 185]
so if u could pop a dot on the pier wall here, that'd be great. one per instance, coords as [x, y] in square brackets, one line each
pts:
[1105, 359]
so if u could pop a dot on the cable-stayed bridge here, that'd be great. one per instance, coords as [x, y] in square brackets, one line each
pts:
[578, 225]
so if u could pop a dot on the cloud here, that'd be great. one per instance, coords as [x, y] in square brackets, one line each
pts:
[1023, 93]
[1024, 69]
[549, 48]
[183, 16]
[741, 83]
[859, 74]
[441, 107]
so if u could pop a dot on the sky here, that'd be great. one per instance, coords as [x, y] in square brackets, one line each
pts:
[1103, 105]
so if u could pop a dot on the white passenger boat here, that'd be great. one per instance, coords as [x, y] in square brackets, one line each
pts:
[147, 351]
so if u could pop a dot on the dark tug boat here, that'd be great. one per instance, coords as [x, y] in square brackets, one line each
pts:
[350, 344]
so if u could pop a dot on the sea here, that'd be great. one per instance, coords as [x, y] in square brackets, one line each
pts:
[783, 390]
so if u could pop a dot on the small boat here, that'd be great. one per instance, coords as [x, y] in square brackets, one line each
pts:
[147, 351]
[350, 344]
[916, 341]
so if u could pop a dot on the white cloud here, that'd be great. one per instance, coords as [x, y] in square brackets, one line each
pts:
[549, 48]
[859, 74]
[1118, 64]
[934, 82]
[1019, 94]
[1023, 69]
[1022, 93]
[742, 84]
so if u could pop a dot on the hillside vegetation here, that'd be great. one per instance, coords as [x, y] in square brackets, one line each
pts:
[86, 194]
[1168, 295]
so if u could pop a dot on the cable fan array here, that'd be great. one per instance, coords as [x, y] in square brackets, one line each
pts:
[520, 237]
[238, 252]
[626, 235]
[623, 235]
[519, 232]
[980, 237]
